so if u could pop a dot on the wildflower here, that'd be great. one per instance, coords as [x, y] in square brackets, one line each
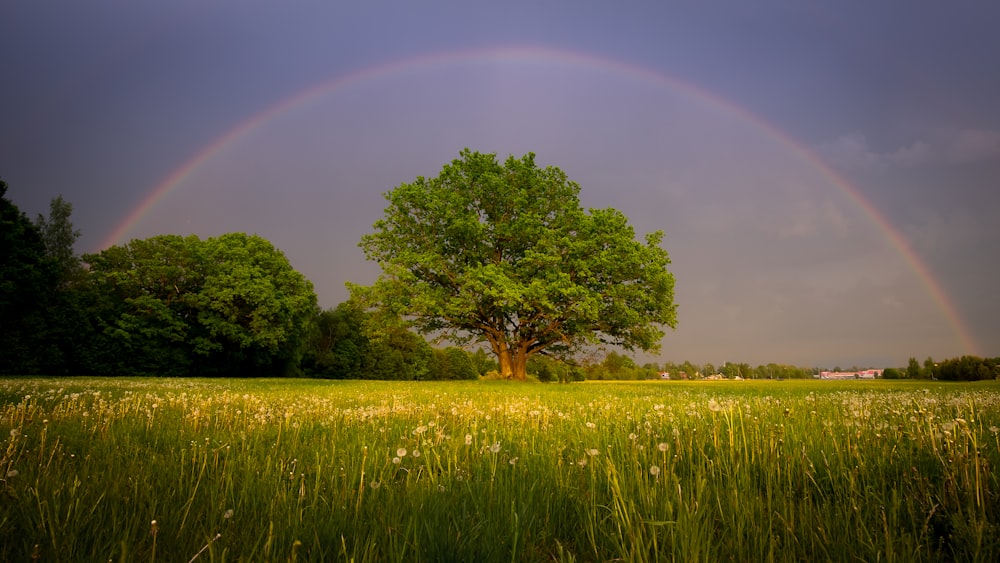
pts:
[401, 452]
[420, 429]
[591, 425]
[512, 461]
[632, 436]
[582, 462]
[592, 452]
[14, 432]
[495, 447]
[468, 439]
[395, 460]
[228, 514]
[662, 446]
[714, 405]
[416, 453]
[654, 471]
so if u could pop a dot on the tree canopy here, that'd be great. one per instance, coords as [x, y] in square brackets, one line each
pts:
[174, 305]
[503, 253]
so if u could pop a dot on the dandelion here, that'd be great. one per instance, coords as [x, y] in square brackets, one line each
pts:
[662, 446]
[591, 425]
[468, 439]
[714, 405]
[416, 453]
[512, 461]
[632, 436]
[420, 429]
[401, 452]
[582, 462]
[495, 447]
[228, 514]
[654, 470]
[395, 461]
[994, 429]
[592, 452]
[14, 432]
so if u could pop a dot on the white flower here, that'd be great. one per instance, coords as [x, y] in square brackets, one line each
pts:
[401, 452]
[228, 514]
[654, 471]
[468, 439]
[592, 452]
[591, 425]
[714, 405]
[395, 460]
[416, 453]
[662, 446]
[495, 447]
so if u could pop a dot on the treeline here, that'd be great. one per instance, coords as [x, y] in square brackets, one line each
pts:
[171, 306]
[965, 368]
[621, 367]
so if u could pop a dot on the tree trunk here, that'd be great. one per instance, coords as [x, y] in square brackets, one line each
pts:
[506, 362]
[513, 361]
[521, 363]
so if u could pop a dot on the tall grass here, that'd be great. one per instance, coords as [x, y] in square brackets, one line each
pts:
[303, 470]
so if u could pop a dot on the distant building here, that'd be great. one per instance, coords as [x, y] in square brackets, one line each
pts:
[860, 374]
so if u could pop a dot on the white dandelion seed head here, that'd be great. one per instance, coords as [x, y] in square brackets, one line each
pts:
[468, 439]
[228, 514]
[592, 452]
[401, 452]
[395, 460]
[662, 446]
[495, 447]
[654, 470]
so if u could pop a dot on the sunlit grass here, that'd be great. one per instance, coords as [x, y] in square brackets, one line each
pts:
[268, 470]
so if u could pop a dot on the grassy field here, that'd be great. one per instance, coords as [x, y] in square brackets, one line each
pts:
[307, 470]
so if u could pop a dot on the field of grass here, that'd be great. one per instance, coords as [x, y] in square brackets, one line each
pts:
[307, 470]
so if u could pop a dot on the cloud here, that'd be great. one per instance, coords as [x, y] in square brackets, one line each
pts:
[852, 152]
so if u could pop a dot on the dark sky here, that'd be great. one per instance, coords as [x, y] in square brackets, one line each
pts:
[827, 174]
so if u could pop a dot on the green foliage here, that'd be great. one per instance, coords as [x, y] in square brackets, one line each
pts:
[893, 373]
[172, 305]
[59, 236]
[969, 368]
[504, 254]
[28, 282]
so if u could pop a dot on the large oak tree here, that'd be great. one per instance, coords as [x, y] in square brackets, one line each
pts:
[503, 253]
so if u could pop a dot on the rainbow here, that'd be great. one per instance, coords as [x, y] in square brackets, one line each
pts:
[547, 54]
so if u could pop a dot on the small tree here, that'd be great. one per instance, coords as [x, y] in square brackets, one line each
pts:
[504, 254]
[59, 236]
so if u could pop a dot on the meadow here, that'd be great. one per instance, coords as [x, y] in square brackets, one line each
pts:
[105, 469]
